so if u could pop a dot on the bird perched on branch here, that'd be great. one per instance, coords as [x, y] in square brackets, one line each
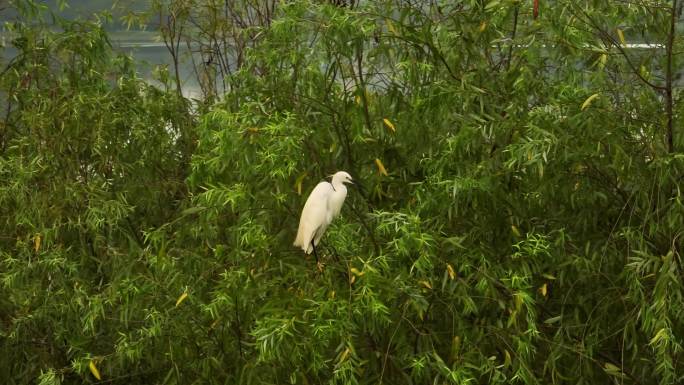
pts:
[322, 206]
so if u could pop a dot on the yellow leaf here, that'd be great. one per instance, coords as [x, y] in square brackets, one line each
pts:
[356, 271]
[613, 370]
[455, 347]
[181, 298]
[515, 231]
[661, 334]
[483, 26]
[381, 167]
[36, 242]
[451, 272]
[543, 289]
[426, 284]
[357, 99]
[389, 125]
[518, 301]
[93, 370]
[298, 182]
[507, 358]
[390, 27]
[344, 355]
[588, 101]
[603, 59]
[621, 36]
[456, 343]
[352, 280]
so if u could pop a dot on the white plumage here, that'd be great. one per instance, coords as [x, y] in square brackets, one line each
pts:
[322, 206]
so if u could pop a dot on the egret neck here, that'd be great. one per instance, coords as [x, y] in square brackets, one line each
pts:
[338, 195]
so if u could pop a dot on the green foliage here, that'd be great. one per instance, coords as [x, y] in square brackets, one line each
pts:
[518, 219]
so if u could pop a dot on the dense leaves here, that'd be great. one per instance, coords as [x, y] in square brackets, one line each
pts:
[518, 216]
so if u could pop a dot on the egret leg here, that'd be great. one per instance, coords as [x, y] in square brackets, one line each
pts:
[319, 265]
[314, 249]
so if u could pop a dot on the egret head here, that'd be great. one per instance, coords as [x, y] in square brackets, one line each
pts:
[341, 177]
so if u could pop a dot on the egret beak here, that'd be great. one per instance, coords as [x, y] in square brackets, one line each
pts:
[350, 181]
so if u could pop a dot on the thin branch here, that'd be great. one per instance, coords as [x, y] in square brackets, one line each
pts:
[515, 27]
[669, 102]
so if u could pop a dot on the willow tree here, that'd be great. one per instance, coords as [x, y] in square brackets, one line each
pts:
[518, 217]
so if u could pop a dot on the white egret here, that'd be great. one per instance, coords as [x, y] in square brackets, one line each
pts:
[322, 206]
